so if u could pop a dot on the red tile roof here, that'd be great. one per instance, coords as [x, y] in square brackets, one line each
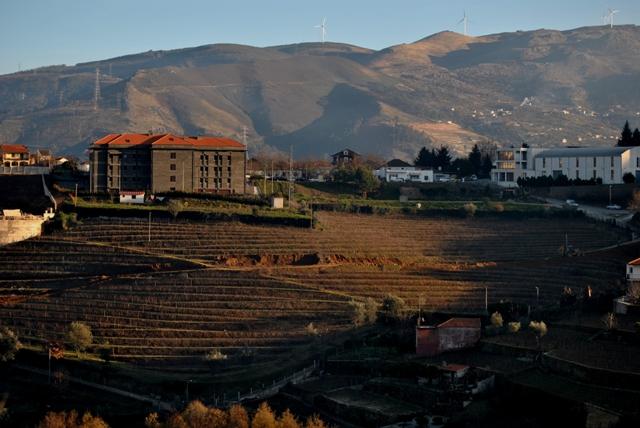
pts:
[168, 140]
[13, 148]
[635, 262]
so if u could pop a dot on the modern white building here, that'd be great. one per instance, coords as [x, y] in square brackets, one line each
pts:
[399, 171]
[132, 196]
[607, 163]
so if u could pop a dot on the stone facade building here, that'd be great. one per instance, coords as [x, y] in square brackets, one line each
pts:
[453, 334]
[160, 163]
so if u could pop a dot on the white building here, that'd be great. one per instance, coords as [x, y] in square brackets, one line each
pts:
[633, 270]
[399, 171]
[607, 163]
[132, 197]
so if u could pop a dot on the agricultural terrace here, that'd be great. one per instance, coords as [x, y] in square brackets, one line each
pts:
[348, 237]
[258, 292]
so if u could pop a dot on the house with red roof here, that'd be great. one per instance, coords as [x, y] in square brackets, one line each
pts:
[453, 334]
[161, 163]
[14, 155]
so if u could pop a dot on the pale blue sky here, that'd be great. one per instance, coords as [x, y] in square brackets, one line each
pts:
[34, 33]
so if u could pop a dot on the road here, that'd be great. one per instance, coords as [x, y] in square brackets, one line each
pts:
[621, 217]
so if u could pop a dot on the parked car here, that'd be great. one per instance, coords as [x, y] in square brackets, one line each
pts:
[572, 203]
[614, 207]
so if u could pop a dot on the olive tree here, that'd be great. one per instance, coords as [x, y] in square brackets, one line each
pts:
[79, 336]
[9, 344]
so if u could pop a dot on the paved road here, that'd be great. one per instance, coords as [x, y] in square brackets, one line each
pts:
[597, 212]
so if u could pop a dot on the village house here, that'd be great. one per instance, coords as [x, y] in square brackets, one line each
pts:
[453, 334]
[14, 155]
[167, 163]
[399, 171]
[345, 157]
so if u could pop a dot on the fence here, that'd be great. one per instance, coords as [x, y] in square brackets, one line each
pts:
[24, 170]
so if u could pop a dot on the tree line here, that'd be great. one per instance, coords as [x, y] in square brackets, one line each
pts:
[478, 162]
[629, 138]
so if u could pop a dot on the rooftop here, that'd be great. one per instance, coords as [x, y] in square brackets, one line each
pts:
[398, 163]
[155, 140]
[582, 152]
[13, 148]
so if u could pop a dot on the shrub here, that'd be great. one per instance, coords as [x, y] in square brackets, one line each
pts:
[393, 308]
[311, 329]
[215, 355]
[9, 344]
[80, 336]
[513, 327]
[469, 209]
[264, 417]
[364, 312]
[497, 207]
[628, 178]
[174, 207]
[288, 420]
[496, 319]
[539, 329]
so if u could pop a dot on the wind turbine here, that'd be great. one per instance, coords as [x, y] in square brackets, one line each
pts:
[610, 16]
[465, 21]
[323, 28]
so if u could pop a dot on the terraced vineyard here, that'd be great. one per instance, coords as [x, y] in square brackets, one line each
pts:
[254, 290]
[352, 237]
[184, 315]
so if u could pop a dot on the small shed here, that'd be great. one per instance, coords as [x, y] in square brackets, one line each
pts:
[453, 334]
[132, 196]
[277, 202]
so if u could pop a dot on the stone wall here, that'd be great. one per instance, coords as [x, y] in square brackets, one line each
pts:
[19, 229]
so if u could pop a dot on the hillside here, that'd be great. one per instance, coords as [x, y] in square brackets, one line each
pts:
[538, 87]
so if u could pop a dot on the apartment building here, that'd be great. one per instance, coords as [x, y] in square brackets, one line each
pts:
[160, 163]
[607, 163]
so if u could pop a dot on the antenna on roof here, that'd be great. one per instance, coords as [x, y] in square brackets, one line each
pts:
[465, 21]
[96, 92]
[323, 29]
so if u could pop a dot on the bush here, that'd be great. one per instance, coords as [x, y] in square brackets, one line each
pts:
[513, 327]
[215, 355]
[71, 420]
[628, 178]
[470, 209]
[9, 344]
[539, 328]
[496, 207]
[393, 308]
[80, 336]
[174, 207]
[364, 312]
[496, 319]
[311, 329]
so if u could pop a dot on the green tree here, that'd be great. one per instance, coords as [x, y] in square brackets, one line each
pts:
[393, 308]
[443, 158]
[365, 180]
[487, 165]
[426, 158]
[626, 136]
[9, 344]
[80, 336]
[475, 158]
[635, 138]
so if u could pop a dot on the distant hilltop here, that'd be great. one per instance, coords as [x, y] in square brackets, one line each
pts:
[542, 87]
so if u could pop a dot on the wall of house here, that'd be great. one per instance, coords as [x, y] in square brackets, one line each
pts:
[452, 338]
[427, 341]
[19, 229]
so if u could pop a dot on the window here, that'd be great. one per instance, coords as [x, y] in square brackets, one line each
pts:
[595, 174]
[560, 162]
[577, 173]
[577, 162]
[612, 175]
[172, 178]
[133, 196]
[544, 162]
[611, 161]
[172, 155]
[172, 167]
[172, 189]
[594, 162]
[637, 162]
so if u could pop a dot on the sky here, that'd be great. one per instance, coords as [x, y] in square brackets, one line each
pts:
[36, 33]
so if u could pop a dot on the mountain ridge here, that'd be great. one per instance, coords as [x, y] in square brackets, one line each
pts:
[544, 87]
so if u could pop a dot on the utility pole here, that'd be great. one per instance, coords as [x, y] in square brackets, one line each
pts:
[149, 236]
[609, 194]
[264, 185]
[75, 199]
[272, 176]
[96, 90]
[537, 297]
[182, 176]
[486, 299]
[290, 173]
